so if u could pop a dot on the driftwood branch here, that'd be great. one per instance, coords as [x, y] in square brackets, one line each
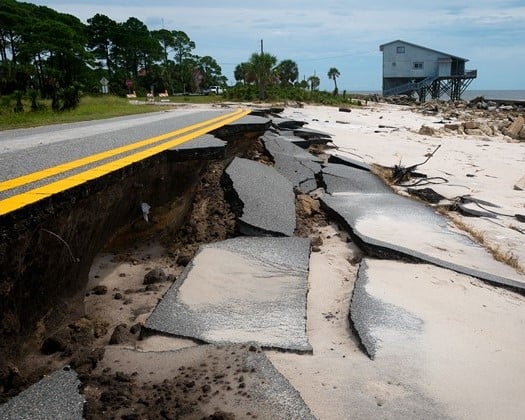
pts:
[400, 173]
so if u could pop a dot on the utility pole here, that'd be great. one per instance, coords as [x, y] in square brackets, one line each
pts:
[261, 82]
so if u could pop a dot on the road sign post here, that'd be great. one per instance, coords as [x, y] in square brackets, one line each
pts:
[104, 82]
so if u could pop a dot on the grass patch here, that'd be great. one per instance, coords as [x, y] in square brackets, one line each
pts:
[90, 108]
[196, 99]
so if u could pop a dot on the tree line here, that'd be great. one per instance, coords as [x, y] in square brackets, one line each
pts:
[265, 72]
[55, 55]
[46, 50]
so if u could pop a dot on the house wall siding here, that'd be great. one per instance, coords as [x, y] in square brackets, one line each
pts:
[404, 62]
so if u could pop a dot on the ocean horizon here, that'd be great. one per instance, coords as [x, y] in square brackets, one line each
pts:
[505, 94]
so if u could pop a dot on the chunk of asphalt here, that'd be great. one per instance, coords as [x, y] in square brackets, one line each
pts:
[249, 123]
[54, 397]
[239, 290]
[341, 159]
[303, 141]
[308, 133]
[421, 321]
[343, 178]
[263, 199]
[369, 315]
[203, 147]
[387, 225]
[285, 123]
[293, 162]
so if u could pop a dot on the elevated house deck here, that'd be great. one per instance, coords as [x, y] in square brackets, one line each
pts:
[409, 68]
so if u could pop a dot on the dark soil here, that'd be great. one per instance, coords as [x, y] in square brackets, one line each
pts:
[211, 219]
[126, 396]
[118, 395]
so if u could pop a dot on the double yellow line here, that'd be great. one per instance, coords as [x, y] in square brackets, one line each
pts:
[174, 138]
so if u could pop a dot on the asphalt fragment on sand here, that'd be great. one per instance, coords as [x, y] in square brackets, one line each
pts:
[54, 397]
[262, 199]
[246, 289]
[456, 339]
[370, 315]
[293, 162]
[392, 226]
[344, 159]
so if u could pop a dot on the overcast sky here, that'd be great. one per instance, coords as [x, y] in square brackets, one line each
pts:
[346, 34]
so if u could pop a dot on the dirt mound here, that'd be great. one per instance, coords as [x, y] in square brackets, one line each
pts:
[210, 220]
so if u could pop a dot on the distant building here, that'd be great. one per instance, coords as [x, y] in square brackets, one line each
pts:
[410, 68]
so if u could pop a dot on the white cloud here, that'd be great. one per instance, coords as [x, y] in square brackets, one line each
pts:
[332, 32]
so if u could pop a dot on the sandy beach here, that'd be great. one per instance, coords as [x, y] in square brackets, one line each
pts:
[448, 345]
[481, 166]
[435, 373]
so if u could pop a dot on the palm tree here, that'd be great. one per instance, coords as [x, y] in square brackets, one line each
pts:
[287, 72]
[244, 73]
[314, 82]
[333, 74]
[263, 66]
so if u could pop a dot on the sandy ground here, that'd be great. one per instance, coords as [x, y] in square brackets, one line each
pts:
[439, 377]
[451, 377]
[481, 166]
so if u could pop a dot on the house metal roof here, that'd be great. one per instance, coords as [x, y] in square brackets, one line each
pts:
[425, 48]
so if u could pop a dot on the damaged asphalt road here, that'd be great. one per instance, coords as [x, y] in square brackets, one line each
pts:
[262, 198]
[383, 221]
[243, 289]
[249, 294]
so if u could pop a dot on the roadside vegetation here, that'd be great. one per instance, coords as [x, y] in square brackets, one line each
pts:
[54, 68]
[89, 108]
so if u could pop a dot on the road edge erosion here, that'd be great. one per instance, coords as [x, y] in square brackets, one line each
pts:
[47, 248]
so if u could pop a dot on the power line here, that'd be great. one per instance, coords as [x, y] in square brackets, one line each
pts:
[298, 60]
[324, 58]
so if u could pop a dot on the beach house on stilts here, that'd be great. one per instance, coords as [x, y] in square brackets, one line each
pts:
[409, 68]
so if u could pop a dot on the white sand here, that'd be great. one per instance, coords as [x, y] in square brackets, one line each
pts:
[467, 362]
[496, 162]
[443, 374]
[469, 353]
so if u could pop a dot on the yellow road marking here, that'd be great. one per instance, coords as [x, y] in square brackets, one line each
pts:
[18, 201]
[64, 167]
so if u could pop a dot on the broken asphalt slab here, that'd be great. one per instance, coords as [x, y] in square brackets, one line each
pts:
[293, 162]
[203, 147]
[249, 123]
[457, 340]
[304, 137]
[387, 225]
[241, 290]
[344, 159]
[369, 314]
[287, 124]
[262, 199]
[342, 178]
[56, 396]
[236, 379]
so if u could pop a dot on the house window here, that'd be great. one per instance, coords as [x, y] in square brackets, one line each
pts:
[400, 50]
[418, 65]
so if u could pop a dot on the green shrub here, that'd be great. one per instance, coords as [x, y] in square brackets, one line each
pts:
[33, 95]
[6, 101]
[70, 98]
[19, 107]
